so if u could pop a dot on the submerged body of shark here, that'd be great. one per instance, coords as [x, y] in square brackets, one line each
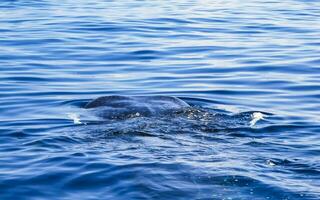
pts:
[166, 111]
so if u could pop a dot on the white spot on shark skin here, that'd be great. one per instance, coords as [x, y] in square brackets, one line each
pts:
[256, 116]
[75, 117]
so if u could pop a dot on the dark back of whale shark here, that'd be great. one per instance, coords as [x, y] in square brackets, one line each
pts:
[122, 107]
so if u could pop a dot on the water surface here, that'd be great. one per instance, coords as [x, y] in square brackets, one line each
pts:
[232, 59]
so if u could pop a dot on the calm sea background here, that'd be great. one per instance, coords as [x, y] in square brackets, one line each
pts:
[228, 56]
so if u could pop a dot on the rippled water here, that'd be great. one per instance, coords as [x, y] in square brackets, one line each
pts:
[252, 66]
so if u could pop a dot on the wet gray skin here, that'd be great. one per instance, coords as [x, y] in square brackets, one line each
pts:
[124, 107]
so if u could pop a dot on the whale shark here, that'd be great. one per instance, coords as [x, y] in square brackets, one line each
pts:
[121, 113]
[124, 107]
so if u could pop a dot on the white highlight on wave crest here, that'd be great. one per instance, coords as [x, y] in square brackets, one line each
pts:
[75, 117]
[256, 116]
[228, 108]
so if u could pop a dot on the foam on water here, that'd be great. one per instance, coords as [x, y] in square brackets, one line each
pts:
[75, 117]
[256, 116]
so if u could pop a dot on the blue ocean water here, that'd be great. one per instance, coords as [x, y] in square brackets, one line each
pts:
[252, 66]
